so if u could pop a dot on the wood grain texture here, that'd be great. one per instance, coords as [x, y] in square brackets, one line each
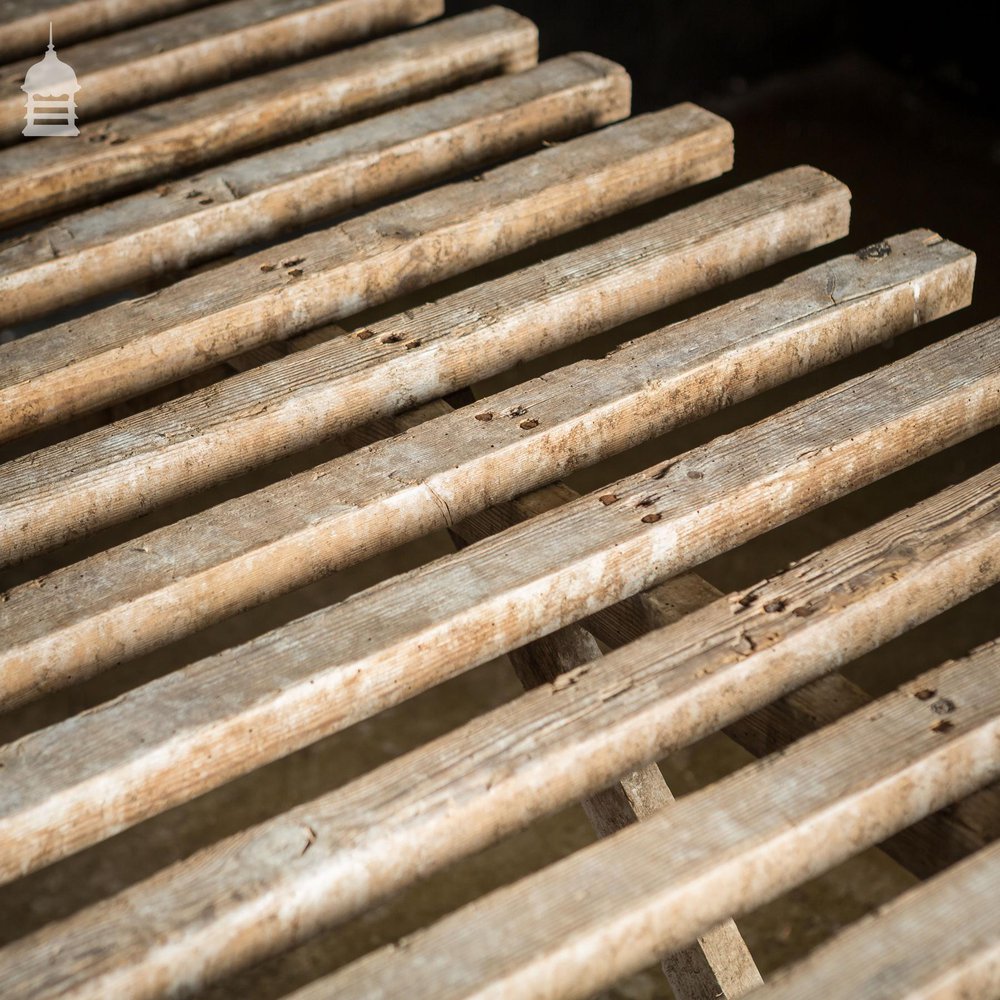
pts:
[717, 965]
[207, 436]
[940, 940]
[718, 852]
[277, 883]
[140, 147]
[25, 32]
[264, 196]
[176, 737]
[156, 588]
[335, 272]
[925, 848]
[220, 42]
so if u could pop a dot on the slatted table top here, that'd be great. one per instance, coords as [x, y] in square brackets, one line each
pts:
[321, 280]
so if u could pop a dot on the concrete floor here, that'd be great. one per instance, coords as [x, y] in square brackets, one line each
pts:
[902, 154]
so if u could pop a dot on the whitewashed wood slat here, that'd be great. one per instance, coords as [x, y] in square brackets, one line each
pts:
[152, 457]
[140, 147]
[153, 589]
[279, 882]
[719, 963]
[133, 346]
[264, 196]
[223, 41]
[721, 851]
[24, 31]
[939, 940]
[169, 740]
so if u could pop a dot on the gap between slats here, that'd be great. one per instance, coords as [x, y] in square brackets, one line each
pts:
[718, 852]
[261, 197]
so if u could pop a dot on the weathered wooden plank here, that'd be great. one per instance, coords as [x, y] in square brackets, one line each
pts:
[24, 31]
[926, 848]
[281, 881]
[156, 588]
[220, 42]
[335, 272]
[939, 940]
[143, 461]
[143, 146]
[264, 196]
[724, 850]
[718, 964]
[172, 739]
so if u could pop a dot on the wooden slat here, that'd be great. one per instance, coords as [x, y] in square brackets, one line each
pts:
[154, 589]
[207, 436]
[133, 346]
[168, 138]
[24, 31]
[718, 964]
[216, 43]
[939, 940]
[608, 910]
[281, 881]
[176, 737]
[926, 848]
[265, 195]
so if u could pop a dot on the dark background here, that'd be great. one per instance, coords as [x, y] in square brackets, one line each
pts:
[684, 49]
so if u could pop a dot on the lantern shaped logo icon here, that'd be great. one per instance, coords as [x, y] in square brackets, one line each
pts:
[51, 87]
